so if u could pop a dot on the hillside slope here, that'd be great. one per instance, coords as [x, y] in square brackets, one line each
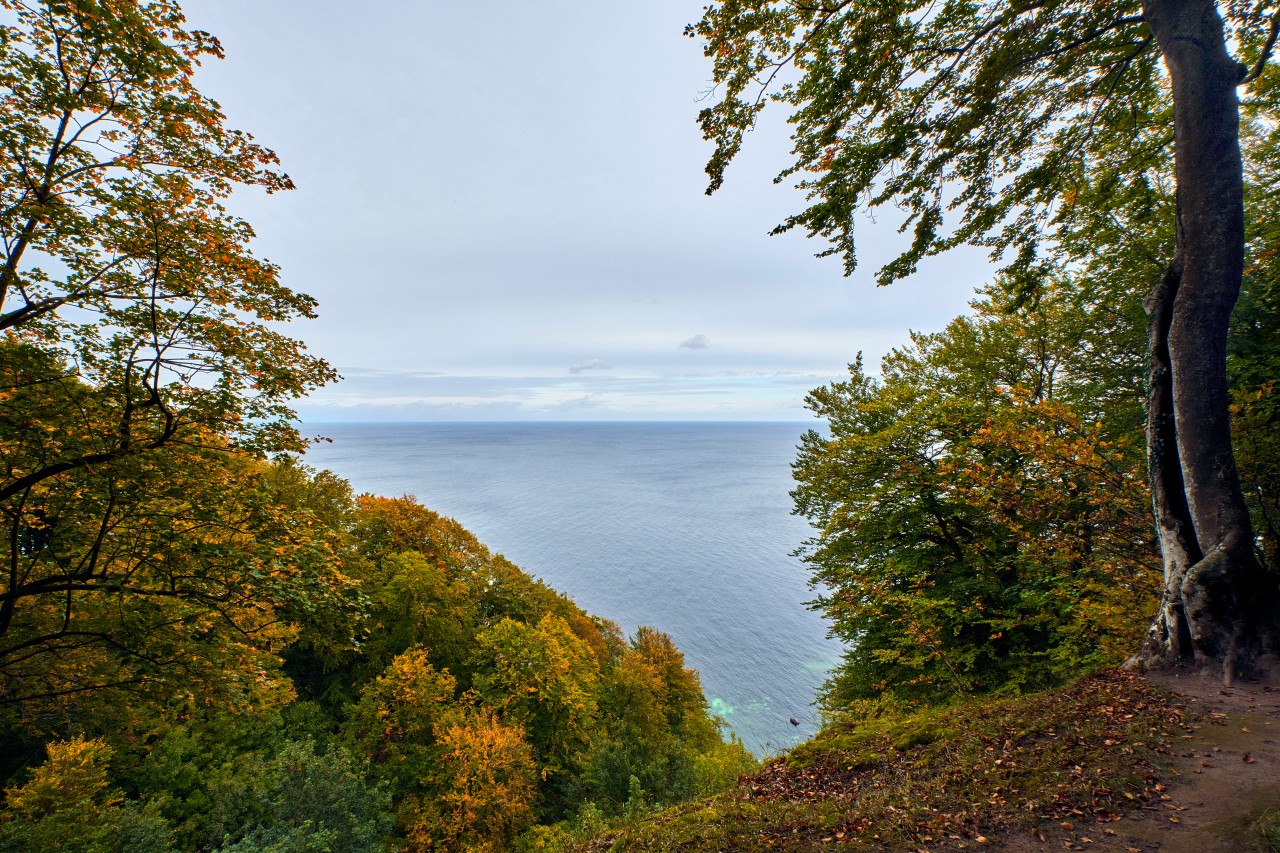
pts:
[1224, 779]
[1115, 761]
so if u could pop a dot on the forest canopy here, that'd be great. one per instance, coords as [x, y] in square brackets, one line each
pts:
[455, 703]
[204, 644]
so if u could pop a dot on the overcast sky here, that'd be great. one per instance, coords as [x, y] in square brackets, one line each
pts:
[501, 210]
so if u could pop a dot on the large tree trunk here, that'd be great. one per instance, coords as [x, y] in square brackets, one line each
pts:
[1220, 609]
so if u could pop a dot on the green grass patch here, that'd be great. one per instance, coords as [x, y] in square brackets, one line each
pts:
[1266, 832]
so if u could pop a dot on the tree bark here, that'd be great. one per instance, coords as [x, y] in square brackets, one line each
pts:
[1219, 608]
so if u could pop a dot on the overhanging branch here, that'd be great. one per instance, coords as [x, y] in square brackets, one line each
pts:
[1269, 45]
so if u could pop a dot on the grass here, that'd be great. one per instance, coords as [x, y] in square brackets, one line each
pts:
[1266, 831]
[954, 778]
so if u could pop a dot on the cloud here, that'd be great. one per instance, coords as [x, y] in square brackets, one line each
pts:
[742, 395]
[593, 364]
[696, 342]
[392, 372]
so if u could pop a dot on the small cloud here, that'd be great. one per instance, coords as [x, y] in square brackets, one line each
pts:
[586, 401]
[696, 342]
[380, 372]
[593, 364]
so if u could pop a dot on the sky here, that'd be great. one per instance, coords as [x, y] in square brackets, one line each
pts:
[501, 209]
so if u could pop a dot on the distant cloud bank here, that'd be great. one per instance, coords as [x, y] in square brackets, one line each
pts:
[696, 342]
[593, 364]
[596, 394]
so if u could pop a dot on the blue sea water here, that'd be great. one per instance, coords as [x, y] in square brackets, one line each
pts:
[685, 527]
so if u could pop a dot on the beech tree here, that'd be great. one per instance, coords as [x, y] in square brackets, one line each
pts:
[982, 522]
[120, 257]
[69, 805]
[545, 679]
[142, 368]
[982, 121]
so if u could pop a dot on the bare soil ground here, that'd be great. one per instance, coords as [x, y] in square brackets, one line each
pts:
[1225, 772]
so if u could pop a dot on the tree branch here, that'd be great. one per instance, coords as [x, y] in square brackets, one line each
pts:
[1256, 72]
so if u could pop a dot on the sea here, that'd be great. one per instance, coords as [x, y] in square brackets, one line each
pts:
[684, 527]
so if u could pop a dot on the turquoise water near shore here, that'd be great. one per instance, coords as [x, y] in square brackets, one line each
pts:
[685, 527]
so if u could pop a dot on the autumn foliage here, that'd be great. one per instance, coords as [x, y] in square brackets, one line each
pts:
[204, 645]
[143, 378]
[981, 525]
[317, 683]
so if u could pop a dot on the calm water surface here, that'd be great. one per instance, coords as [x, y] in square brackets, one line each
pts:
[685, 527]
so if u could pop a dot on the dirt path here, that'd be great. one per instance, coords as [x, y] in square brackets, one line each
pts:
[1224, 774]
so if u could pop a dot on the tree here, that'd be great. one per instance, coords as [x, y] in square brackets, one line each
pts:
[544, 678]
[982, 524]
[68, 806]
[313, 802]
[487, 787]
[462, 778]
[995, 115]
[165, 578]
[656, 739]
[141, 365]
[119, 253]
[1253, 358]
[394, 723]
